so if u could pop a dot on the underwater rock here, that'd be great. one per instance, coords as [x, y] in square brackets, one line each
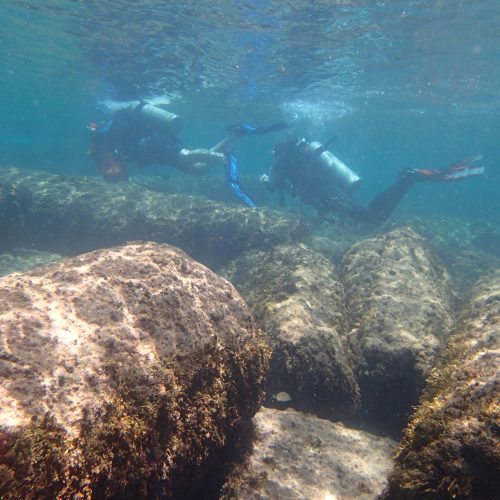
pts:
[451, 446]
[468, 248]
[71, 215]
[122, 372]
[15, 203]
[22, 259]
[399, 303]
[334, 235]
[212, 187]
[297, 456]
[298, 302]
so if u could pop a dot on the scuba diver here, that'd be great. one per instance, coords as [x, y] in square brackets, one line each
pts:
[146, 134]
[309, 171]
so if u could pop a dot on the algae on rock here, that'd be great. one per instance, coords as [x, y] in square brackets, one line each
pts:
[451, 449]
[72, 215]
[400, 306]
[123, 371]
[298, 302]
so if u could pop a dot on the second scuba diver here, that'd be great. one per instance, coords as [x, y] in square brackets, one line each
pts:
[309, 171]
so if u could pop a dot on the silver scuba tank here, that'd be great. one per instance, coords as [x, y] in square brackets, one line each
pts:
[345, 177]
[163, 118]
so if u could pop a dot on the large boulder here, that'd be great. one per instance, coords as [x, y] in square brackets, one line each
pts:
[72, 215]
[335, 235]
[398, 298]
[298, 301]
[122, 372]
[297, 456]
[469, 249]
[451, 446]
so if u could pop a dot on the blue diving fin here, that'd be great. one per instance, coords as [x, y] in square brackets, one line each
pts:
[232, 175]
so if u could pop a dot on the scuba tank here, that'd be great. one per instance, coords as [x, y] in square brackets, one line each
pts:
[344, 176]
[161, 117]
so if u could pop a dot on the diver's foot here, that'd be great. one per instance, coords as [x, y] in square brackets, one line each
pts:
[458, 171]
[463, 169]
[423, 174]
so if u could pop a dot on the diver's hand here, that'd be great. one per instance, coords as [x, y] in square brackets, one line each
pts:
[264, 178]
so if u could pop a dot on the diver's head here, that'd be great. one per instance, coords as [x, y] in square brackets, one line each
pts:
[285, 148]
[112, 168]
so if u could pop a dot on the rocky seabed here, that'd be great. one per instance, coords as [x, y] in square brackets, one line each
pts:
[131, 369]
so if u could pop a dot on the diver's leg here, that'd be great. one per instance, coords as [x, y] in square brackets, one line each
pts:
[344, 207]
[225, 144]
[198, 161]
[201, 155]
[329, 198]
[241, 130]
[386, 202]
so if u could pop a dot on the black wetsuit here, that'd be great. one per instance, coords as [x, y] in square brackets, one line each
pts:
[132, 137]
[297, 173]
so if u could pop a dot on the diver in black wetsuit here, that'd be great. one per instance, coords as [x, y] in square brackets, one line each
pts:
[309, 171]
[147, 134]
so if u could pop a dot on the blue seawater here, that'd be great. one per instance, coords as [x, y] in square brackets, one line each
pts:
[390, 84]
[397, 83]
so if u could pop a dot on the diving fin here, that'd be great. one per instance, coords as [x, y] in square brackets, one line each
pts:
[463, 169]
[455, 172]
[232, 175]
